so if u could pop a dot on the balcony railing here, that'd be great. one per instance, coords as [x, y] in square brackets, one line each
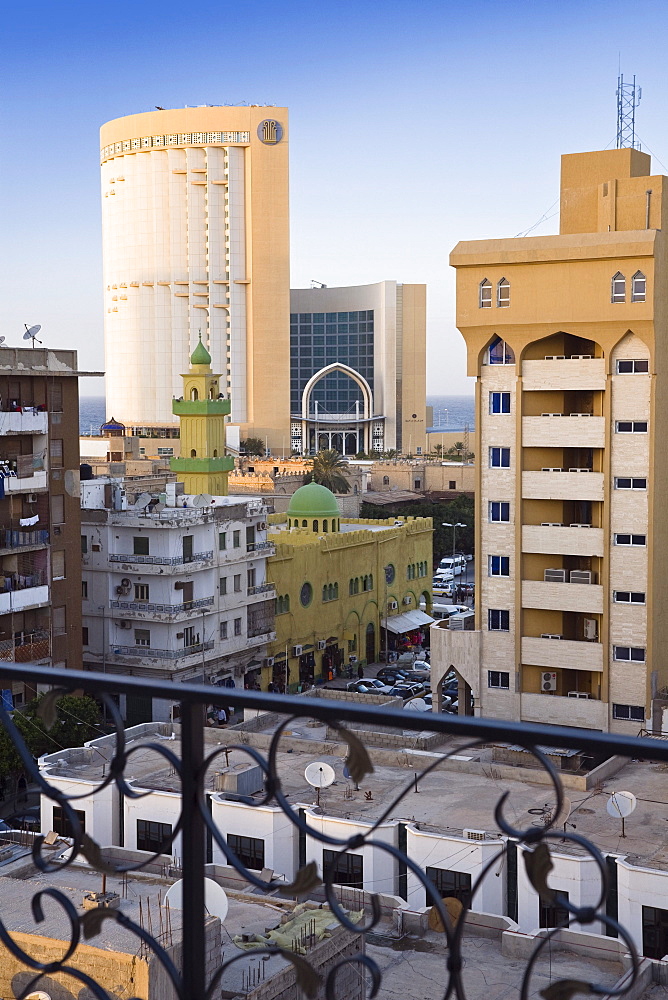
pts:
[25, 648]
[181, 560]
[260, 547]
[261, 588]
[162, 609]
[162, 654]
[190, 977]
[14, 538]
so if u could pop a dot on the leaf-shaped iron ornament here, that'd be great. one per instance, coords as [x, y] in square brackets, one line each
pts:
[358, 761]
[307, 978]
[93, 855]
[306, 880]
[564, 989]
[47, 707]
[92, 920]
[538, 864]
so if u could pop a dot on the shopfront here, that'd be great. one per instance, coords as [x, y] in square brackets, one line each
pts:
[404, 633]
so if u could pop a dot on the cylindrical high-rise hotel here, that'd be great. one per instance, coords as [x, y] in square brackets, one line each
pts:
[196, 239]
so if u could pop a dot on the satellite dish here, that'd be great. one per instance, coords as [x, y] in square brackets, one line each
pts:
[2, 341]
[158, 507]
[621, 804]
[416, 705]
[207, 498]
[31, 333]
[319, 774]
[563, 814]
[143, 500]
[199, 500]
[39, 995]
[215, 898]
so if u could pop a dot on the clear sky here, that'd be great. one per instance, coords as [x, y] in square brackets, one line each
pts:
[413, 125]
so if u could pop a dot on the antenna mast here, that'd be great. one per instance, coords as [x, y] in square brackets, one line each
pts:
[628, 99]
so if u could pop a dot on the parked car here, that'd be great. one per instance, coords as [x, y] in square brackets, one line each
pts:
[417, 671]
[388, 675]
[368, 686]
[407, 690]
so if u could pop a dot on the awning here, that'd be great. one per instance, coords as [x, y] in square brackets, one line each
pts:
[408, 622]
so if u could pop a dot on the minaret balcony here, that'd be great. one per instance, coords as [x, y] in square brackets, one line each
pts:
[201, 407]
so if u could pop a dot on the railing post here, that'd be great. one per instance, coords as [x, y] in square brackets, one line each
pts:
[192, 755]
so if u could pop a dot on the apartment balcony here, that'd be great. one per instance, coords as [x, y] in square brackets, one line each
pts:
[561, 654]
[265, 590]
[587, 713]
[549, 596]
[160, 612]
[562, 484]
[574, 430]
[25, 484]
[27, 648]
[260, 638]
[263, 548]
[563, 373]
[29, 420]
[563, 539]
[149, 653]
[152, 564]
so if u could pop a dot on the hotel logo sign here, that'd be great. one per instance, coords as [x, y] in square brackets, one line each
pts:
[270, 131]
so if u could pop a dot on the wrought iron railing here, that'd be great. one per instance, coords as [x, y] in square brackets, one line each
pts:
[163, 609]
[181, 560]
[261, 588]
[163, 654]
[195, 824]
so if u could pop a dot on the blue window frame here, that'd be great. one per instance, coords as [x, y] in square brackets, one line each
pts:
[498, 621]
[499, 458]
[499, 402]
[499, 566]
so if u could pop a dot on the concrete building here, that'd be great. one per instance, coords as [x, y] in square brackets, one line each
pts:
[172, 589]
[344, 587]
[195, 238]
[438, 479]
[40, 569]
[358, 369]
[566, 336]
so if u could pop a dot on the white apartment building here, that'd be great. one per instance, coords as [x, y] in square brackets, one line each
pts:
[174, 590]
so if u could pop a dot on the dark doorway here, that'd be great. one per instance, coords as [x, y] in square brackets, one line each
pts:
[370, 643]
[654, 932]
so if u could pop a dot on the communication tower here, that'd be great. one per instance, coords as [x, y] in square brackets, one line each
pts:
[628, 99]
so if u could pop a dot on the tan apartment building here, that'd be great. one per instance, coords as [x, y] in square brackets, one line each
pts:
[448, 478]
[40, 544]
[196, 240]
[567, 338]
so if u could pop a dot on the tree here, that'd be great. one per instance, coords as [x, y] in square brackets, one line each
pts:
[330, 470]
[77, 721]
[252, 446]
[460, 509]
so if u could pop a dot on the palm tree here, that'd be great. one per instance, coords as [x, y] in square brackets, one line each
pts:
[330, 470]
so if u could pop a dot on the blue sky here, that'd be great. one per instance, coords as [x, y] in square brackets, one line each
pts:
[412, 126]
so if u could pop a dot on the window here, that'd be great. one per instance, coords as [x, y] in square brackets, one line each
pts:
[630, 539]
[154, 837]
[236, 539]
[84, 544]
[222, 585]
[343, 869]
[457, 885]
[142, 637]
[629, 597]
[84, 590]
[59, 621]
[249, 850]
[485, 294]
[636, 366]
[499, 402]
[630, 483]
[223, 630]
[618, 288]
[499, 566]
[58, 511]
[140, 545]
[237, 583]
[499, 353]
[237, 626]
[499, 458]
[453, 484]
[498, 621]
[631, 713]
[498, 679]
[56, 453]
[417, 484]
[638, 287]
[141, 592]
[306, 594]
[553, 914]
[222, 540]
[503, 293]
[61, 825]
[635, 654]
[631, 426]
[499, 510]
[84, 636]
[55, 397]
[250, 577]
[58, 564]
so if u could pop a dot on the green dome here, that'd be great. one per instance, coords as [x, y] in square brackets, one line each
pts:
[200, 356]
[313, 500]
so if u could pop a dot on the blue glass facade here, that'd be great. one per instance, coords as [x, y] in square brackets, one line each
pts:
[321, 339]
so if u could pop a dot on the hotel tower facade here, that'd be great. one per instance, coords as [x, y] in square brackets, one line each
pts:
[196, 240]
[567, 336]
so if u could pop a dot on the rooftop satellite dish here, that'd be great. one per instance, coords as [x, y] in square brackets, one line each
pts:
[620, 805]
[158, 507]
[198, 500]
[319, 775]
[215, 898]
[207, 498]
[416, 705]
[31, 333]
[143, 500]
[2, 341]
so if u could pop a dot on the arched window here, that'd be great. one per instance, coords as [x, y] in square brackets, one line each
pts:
[618, 288]
[503, 293]
[315, 525]
[193, 453]
[336, 591]
[351, 587]
[500, 353]
[211, 393]
[324, 525]
[371, 581]
[194, 394]
[638, 287]
[386, 480]
[324, 593]
[215, 453]
[357, 585]
[286, 603]
[304, 524]
[485, 294]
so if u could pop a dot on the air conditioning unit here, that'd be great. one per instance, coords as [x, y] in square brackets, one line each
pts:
[551, 524]
[321, 643]
[475, 834]
[554, 575]
[590, 628]
[407, 600]
[352, 659]
[297, 650]
[580, 357]
[262, 526]
[578, 694]
[550, 635]
[120, 590]
[551, 470]
[581, 576]
[580, 414]
[178, 585]
[555, 414]
[548, 681]
[555, 357]
[31, 498]
[125, 582]
[579, 525]
[126, 624]
[269, 661]
[392, 605]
